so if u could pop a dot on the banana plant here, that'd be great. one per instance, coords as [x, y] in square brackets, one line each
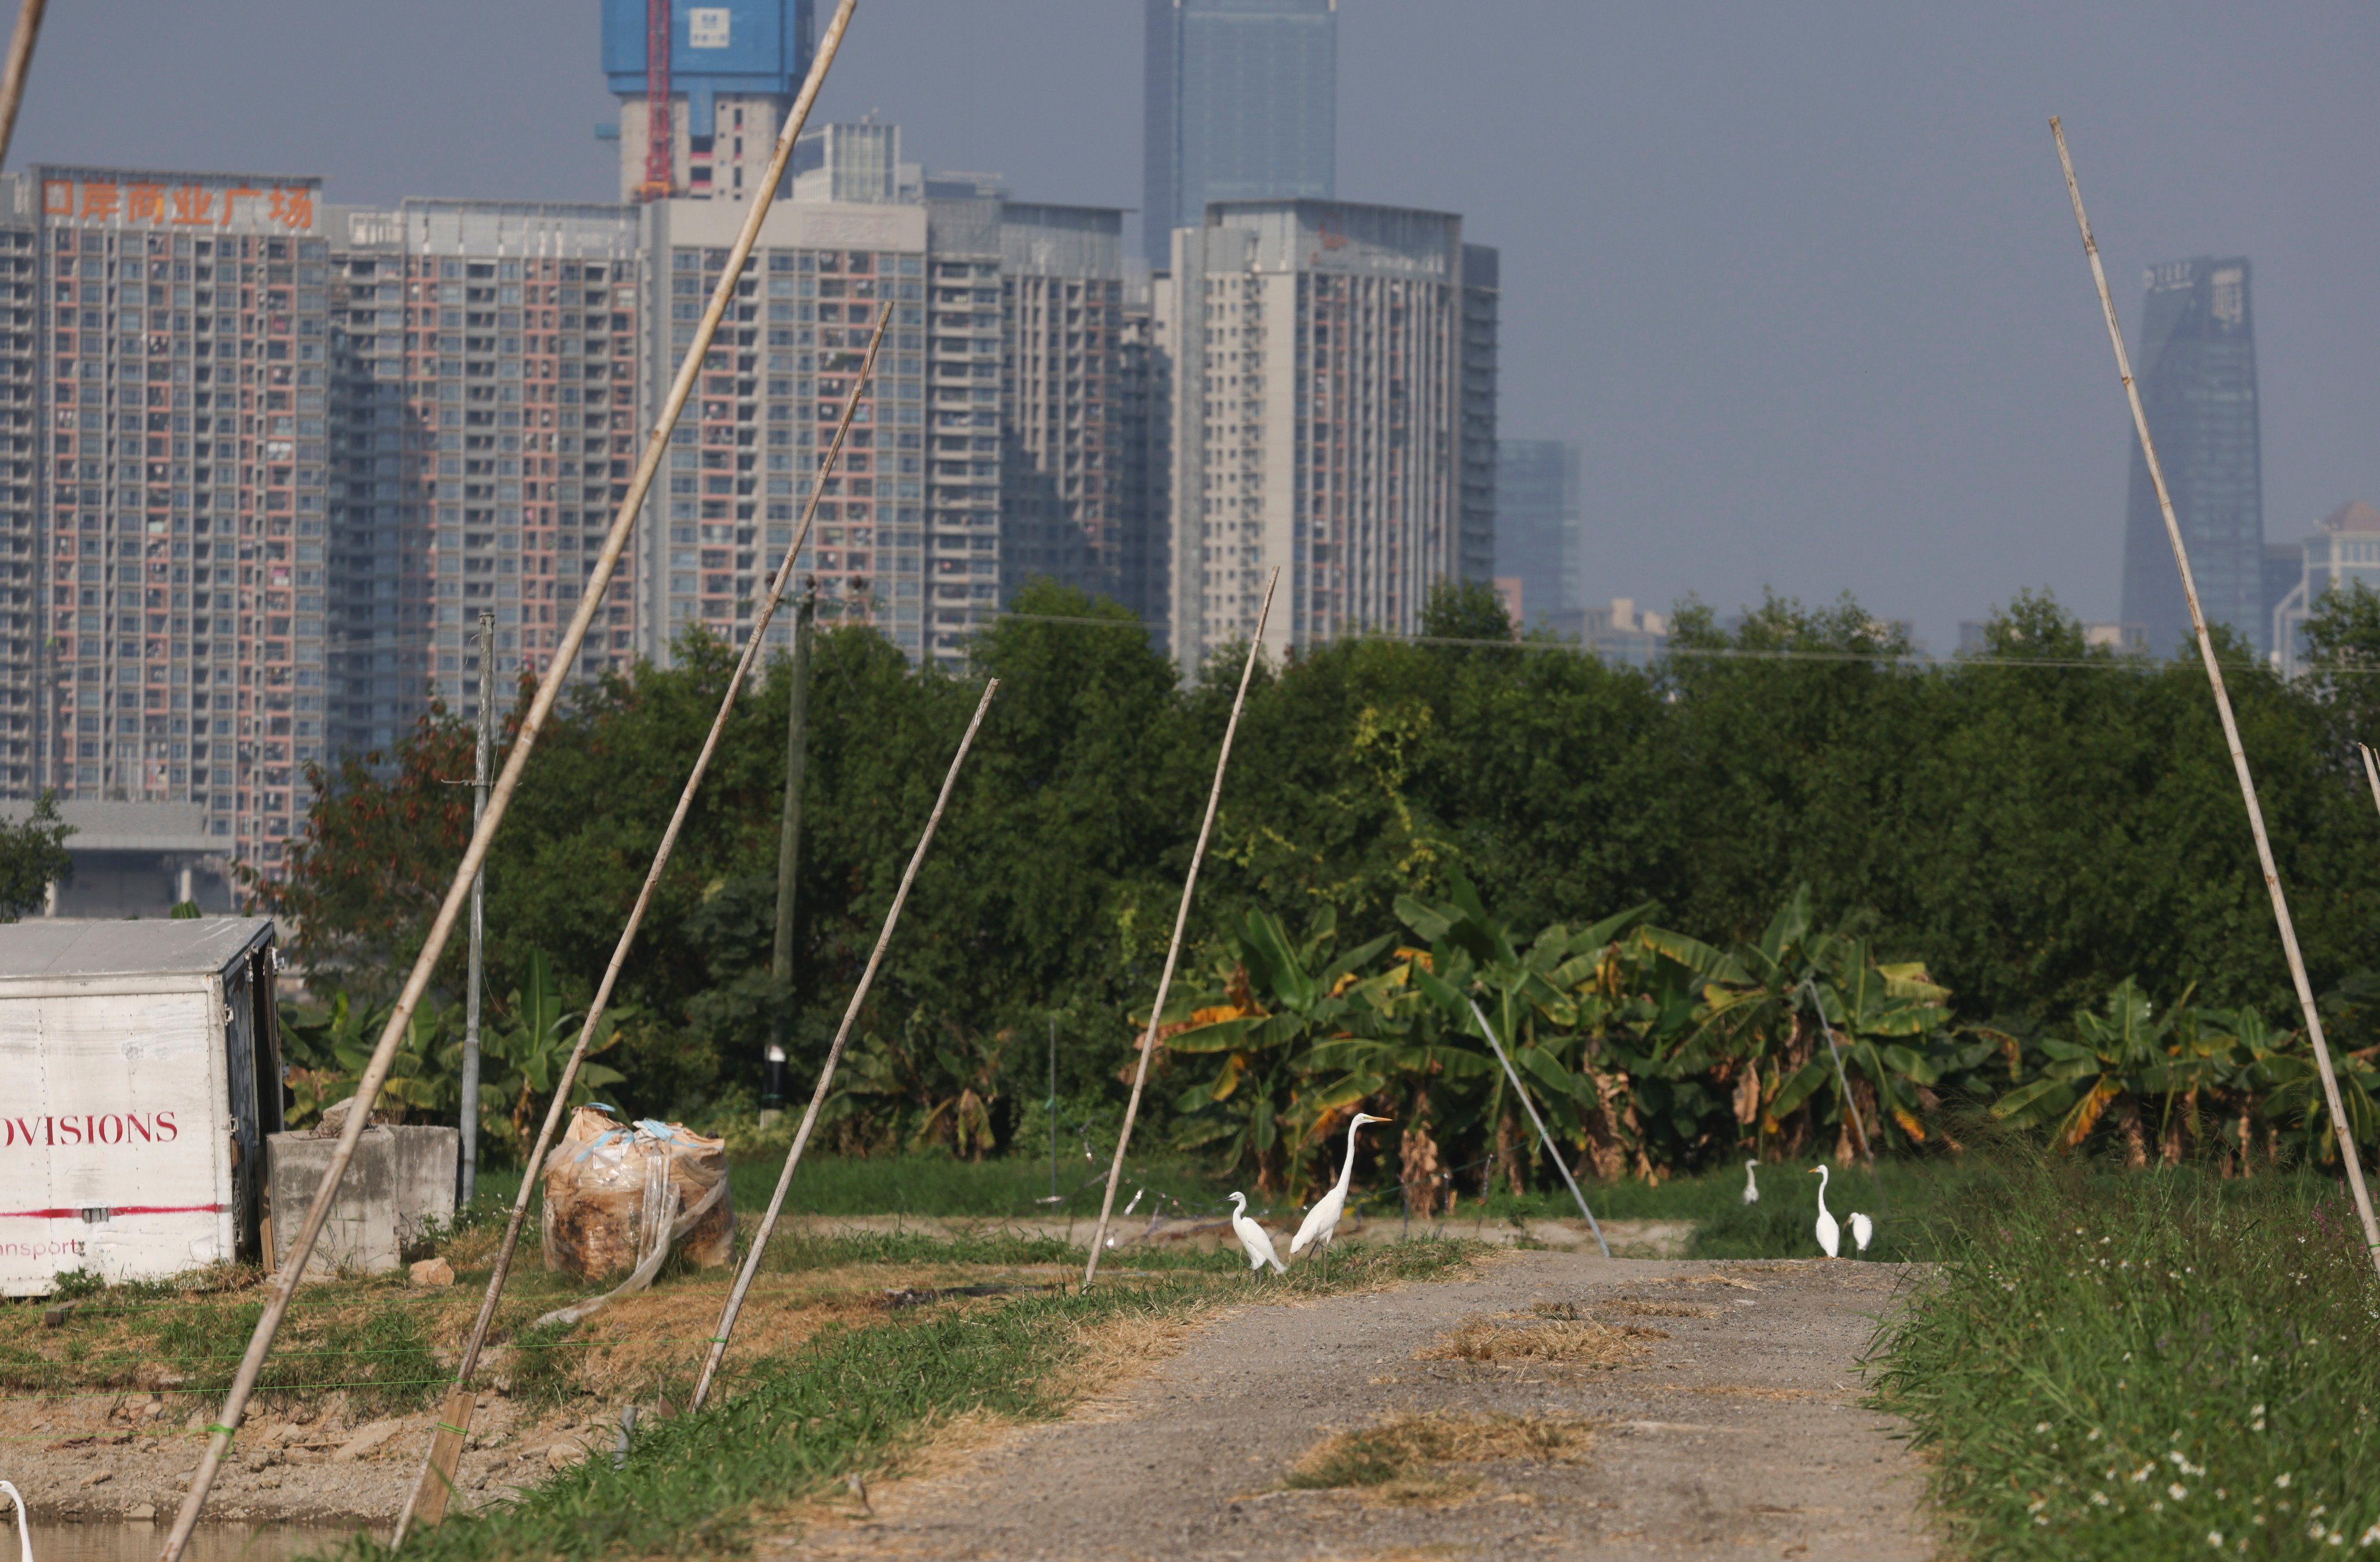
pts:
[2118, 1055]
[934, 1085]
[534, 1041]
[1268, 1001]
[326, 1054]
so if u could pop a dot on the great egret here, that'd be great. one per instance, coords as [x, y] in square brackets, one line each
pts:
[1830, 1236]
[1322, 1221]
[1750, 1183]
[1253, 1239]
[1862, 1229]
[24, 1523]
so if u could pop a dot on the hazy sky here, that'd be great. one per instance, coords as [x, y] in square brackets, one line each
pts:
[1800, 279]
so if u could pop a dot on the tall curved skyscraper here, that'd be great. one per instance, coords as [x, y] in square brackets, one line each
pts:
[2197, 366]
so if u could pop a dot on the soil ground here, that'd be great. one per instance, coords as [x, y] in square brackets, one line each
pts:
[1732, 1427]
[1628, 1239]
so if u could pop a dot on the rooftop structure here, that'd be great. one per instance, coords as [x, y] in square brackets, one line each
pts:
[2344, 550]
[725, 74]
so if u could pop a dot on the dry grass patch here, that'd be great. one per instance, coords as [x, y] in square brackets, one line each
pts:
[1631, 1307]
[1570, 1341]
[1407, 1459]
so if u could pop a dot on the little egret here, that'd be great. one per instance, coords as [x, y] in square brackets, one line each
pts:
[1750, 1183]
[1830, 1236]
[1862, 1229]
[24, 1523]
[1252, 1238]
[1322, 1221]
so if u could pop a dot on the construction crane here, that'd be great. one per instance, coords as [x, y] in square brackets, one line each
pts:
[659, 129]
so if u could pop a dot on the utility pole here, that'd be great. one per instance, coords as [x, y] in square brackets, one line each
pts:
[470, 1113]
[1054, 1108]
[789, 854]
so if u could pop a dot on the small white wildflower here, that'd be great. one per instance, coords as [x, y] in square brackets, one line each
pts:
[2177, 1491]
[2094, 1435]
[2100, 1498]
[2143, 1473]
[2282, 1481]
[2214, 1538]
[2370, 1537]
[2041, 1426]
[2037, 1504]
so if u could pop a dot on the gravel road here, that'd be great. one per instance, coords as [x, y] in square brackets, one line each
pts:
[1739, 1433]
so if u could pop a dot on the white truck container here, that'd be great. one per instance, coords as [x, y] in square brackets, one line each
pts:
[139, 1073]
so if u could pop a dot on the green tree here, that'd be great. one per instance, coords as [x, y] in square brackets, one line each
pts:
[32, 857]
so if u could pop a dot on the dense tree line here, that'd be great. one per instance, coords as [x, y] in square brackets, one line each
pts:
[2035, 826]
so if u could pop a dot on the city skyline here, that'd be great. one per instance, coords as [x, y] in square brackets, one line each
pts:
[1914, 404]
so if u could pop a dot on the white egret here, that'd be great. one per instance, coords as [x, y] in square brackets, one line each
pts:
[1830, 1236]
[1322, 1221]
[1862, 1229]
[24, 1523]
[1750, 1183]
[1253, 1239]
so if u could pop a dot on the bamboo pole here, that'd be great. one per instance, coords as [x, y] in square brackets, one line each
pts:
[2230, 726]
[1544, 1137]
[835, 1056]
[1180, 921]
[21, 66]
[2370, 771]
[548, 690]
[429, 1488]
[475, 971]
[1843, 1083]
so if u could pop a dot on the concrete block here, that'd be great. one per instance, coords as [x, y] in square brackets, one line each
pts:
[401, 1180]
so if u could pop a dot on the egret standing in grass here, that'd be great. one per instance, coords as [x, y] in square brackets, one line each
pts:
[1321, 1222]
[1253, 1239]
[1750, 1183]
[1863, 1228]
[24, 1523]
[1830, 1235]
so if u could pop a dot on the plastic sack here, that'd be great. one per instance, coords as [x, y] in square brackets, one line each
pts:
[621, 1197]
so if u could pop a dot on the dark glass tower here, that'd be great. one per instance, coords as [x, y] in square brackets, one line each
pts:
[1538, 537]
[1243, 104]
[2196, 365]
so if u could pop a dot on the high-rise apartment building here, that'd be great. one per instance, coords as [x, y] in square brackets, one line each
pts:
[1062, 394]
[1539, 540]
[485, 426]
[727, 73]
[1241, 100]
[180, 506]
[763, 413]
[1145, 434]
[2196, 369]
[1330, 365]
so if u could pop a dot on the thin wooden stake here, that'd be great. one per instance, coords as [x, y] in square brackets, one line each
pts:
[835, 1055]
[2230, 726]
[1843, 1083]
[19, 67]
[432, 1477]
[548, 690]
[2370, 771]
[1180, 921]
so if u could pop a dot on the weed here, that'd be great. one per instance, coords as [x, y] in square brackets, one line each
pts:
[1397, 1459]
[2147, 1365]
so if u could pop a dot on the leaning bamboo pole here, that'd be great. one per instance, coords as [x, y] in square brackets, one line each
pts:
[835, 1055]
[19, 65]
[548, 690]
[1180, 921]
[435, 1483]
[2338, 1122]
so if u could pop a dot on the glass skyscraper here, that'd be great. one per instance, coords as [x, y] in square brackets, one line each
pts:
[1243, 103]
[1538, 537]
[2197, 366]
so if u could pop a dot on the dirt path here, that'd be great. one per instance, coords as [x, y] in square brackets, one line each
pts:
[1738, 1434]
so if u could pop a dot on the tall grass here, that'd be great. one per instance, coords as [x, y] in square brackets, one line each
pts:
[2151, 1365]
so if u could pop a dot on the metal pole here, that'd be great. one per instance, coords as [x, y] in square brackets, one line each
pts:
[2339, 1123]
[835, 1055]
[789, 856]
[430, 1484]
[20, 65]
[1054, 1108]
[548, 690]
[1546, 1138]
[1180, 921]
[473, 982]
[1843, 1083]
